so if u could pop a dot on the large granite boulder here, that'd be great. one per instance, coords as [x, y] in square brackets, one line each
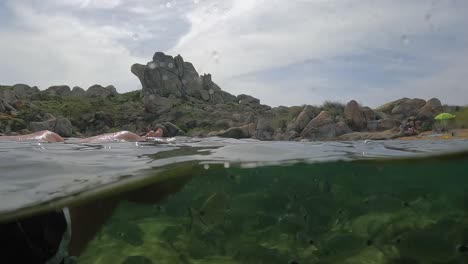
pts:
[17, 92]
[388, 107]
[302, 119]
[245, 99]
[97, 91]
[408, 107]
[6, 107]
[163, 75]
[172, 130]
[431, 109]
[204, 94]
[24, 91]
[357, 116]
[166, 76]
[264, 129]
[246, 131]
[227, 97]
[78, 92]
[157, 104]
[59, 90]
[59, 125]
[382, 124]
[382, 135]
[323, 127]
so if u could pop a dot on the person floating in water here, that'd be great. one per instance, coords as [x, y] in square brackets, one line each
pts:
[49, 136]
[59, 236]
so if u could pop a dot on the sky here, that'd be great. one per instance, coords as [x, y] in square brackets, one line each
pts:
[284, 52]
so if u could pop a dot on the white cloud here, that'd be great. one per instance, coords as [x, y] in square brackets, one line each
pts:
[395, 48]
[60, 49]
[251, 36]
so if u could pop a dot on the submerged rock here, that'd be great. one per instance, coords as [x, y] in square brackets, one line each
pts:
[137, 260]
[126, 231]
[254, 254]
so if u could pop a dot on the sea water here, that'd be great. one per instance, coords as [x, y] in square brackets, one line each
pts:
[245, 201]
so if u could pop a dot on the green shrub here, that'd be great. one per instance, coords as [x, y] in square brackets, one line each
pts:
[461, 119]
[334, 108]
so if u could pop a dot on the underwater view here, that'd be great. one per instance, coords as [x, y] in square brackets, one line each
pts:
[246, 201]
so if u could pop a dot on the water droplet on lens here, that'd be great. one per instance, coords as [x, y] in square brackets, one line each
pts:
[215, 56]
[206, 166]
[152, 65]
[227, 165]
[170, 65]
[164, 77]
[211, 91]
[405, 39]
[168, 4]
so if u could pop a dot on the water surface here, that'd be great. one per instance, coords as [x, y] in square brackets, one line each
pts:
[248, 201]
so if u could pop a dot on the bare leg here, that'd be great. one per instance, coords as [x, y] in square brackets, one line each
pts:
[44, 135]
[117, 136]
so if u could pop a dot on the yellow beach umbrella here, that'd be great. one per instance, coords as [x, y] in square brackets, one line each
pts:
[444, 117]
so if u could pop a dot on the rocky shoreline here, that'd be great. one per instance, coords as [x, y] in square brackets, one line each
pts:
[176, 98]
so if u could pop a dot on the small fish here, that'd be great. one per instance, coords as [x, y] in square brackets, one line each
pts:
[213, 210]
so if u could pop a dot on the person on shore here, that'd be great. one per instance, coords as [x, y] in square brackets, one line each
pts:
[49, 136]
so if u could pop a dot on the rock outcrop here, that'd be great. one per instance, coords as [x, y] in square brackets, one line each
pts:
[59, 90]
[431, 109]
[355, 115]
[302, 119]
[10, 94]
[78, 91]
[59, 125]
[381, 135]
[177, 99]
[246, 131]
[165, 77]
[97, 91]
[323, 127]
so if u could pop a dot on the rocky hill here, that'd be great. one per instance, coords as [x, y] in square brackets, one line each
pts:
[176, 98]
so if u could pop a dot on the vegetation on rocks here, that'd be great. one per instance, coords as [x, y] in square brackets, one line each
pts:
[174, 92]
